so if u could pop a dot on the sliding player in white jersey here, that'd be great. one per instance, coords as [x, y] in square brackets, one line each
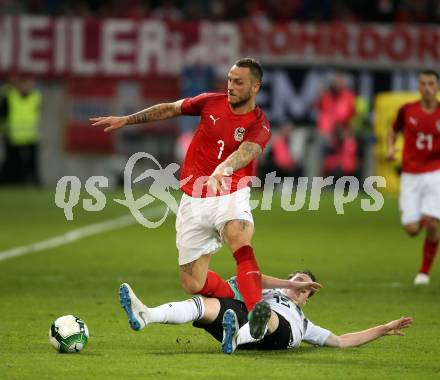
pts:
[226, 320]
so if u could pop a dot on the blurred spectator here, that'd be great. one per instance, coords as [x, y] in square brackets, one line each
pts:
[12, 7]
[344, 12]
[168, 11]
[280, 157]
[316, 10]
[51, 7]
[217, 10]
[236, 9]
[359, 122]
[20, 105]
[336, 107]
[232, 10]
[257, 11]
[130, 8]
[408, 10]
[361, 126]
[283, 10]
[195, 10]
[384, 10]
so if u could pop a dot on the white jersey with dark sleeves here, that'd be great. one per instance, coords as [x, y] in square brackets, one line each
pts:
[302, 328]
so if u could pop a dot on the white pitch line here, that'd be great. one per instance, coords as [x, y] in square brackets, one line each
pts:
[76, 234]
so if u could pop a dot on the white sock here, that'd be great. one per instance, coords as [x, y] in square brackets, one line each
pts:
[178, 312]
[244, 335]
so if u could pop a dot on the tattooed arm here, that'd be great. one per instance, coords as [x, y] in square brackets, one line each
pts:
[154, 113]
[246, 152]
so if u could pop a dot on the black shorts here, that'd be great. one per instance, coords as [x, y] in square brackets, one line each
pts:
[278, 340]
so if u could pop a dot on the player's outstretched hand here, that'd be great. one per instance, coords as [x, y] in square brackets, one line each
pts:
[111, 122]
[216, 182]
[395, 327]
[307, 285]
[391, 153]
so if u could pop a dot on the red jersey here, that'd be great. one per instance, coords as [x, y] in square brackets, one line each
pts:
[421, 131]
[219, 133]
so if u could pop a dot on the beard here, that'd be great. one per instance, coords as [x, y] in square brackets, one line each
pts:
[428, 98]
[241, 101]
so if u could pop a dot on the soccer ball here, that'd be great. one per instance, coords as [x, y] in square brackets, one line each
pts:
[68, 334]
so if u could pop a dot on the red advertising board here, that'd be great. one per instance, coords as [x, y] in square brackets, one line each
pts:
[82, 47]
[79, 47]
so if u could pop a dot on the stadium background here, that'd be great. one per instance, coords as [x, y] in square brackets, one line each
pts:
[93, 58]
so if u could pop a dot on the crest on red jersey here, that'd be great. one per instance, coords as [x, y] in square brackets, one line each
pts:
[239, 134]
[437, 124]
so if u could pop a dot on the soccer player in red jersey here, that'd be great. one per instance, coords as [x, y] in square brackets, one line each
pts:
[215, 206]
[420, 182]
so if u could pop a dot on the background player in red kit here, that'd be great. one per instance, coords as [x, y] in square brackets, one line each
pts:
[420, 182]
[215, 207]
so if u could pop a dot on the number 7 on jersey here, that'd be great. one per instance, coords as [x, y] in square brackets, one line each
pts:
[222, 148]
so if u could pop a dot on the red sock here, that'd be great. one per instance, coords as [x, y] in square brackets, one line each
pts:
[248, 276]
[215, 286]
[429, 251]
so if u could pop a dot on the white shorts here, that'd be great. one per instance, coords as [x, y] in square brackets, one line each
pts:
[200, 222]
[419, 196]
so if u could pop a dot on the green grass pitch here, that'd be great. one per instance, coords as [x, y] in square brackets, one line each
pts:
[364, 261]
